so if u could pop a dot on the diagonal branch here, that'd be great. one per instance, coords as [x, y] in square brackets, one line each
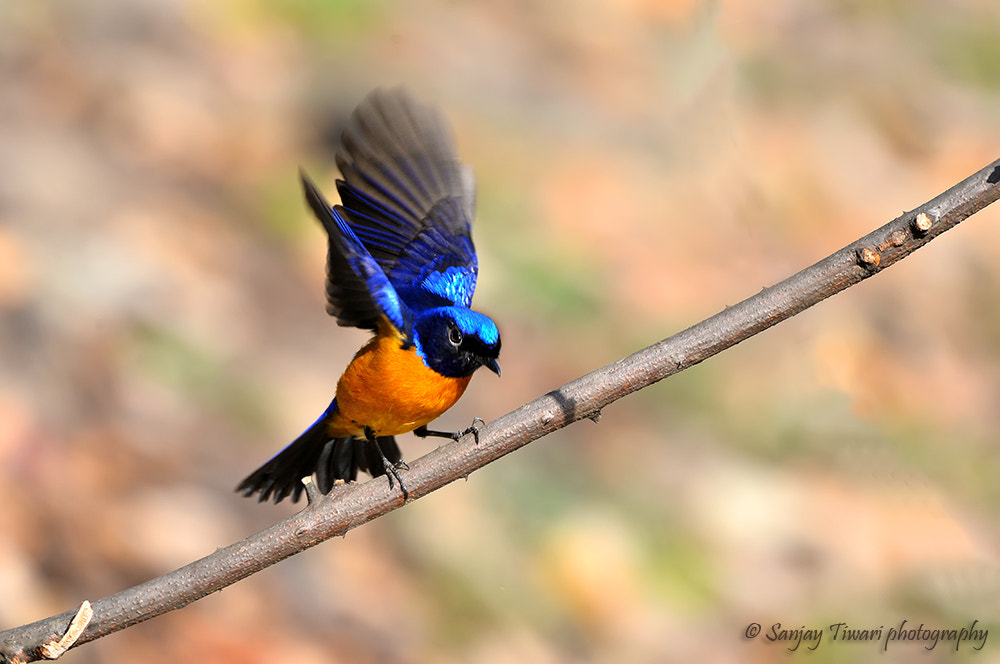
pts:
[354, 504]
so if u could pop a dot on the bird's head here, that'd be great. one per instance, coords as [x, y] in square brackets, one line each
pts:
[455, 341]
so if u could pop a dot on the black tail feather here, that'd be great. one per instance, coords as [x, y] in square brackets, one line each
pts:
[282, 475]
[331, 459]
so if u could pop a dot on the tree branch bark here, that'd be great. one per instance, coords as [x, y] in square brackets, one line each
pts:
[355, 504]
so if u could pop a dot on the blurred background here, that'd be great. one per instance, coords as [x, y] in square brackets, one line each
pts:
[641, 164]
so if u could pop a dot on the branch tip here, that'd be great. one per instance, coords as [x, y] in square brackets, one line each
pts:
[54, 649]
[313, 494]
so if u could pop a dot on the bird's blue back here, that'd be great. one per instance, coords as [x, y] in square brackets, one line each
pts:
[409, 202]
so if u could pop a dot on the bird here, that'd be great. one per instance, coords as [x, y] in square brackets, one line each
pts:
[400, 263]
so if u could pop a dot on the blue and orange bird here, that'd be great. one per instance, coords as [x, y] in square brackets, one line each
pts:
[401, 263]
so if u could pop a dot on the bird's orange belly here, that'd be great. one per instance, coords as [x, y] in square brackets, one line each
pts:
[391, 391]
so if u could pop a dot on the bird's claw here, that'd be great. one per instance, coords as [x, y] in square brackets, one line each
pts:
[477, 424]
[392, 473]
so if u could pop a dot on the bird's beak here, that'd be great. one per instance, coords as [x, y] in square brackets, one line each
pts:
[492, 365]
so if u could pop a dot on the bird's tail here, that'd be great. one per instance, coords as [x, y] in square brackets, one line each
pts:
[331, 459]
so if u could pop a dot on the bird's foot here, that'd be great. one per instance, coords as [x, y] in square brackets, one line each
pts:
[392, 472]
[391, 469]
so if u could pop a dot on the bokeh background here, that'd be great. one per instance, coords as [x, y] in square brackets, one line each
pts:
[641, 164]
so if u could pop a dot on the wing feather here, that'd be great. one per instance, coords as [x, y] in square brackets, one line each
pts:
[408, 199]
[358, 291]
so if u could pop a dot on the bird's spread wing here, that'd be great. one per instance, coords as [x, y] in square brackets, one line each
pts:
[408, 199]
[358, 292]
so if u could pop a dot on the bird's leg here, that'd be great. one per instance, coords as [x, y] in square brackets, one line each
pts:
[477, 424]
[391, 469]
[398, 465]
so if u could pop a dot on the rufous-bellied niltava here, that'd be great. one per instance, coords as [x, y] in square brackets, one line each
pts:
[401, 263]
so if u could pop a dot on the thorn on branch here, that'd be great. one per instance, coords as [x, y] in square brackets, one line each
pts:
[54, 649]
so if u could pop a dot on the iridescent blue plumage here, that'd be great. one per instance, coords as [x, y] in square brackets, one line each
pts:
[401, 239]
[455, 341]
[409, 201]
[357, 289]
[401, 263]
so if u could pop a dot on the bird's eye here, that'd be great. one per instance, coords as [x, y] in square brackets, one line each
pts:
[455, 336]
